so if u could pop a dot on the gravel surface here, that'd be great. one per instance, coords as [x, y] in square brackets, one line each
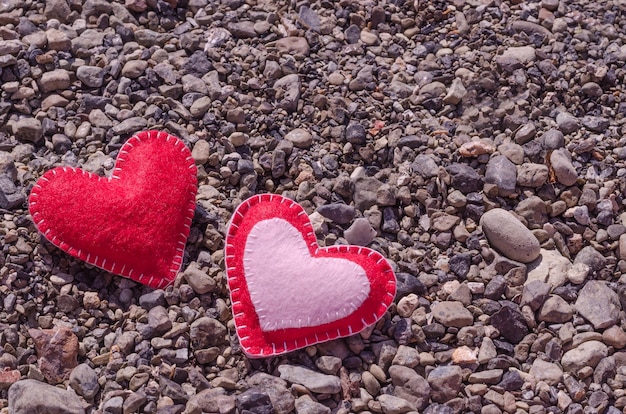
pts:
[477, 144]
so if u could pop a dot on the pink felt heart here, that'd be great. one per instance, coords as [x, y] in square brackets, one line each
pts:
[286, 291]
[134, 223]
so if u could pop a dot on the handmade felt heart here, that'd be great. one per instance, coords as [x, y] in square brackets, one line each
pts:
[286, 291]
[133, 223]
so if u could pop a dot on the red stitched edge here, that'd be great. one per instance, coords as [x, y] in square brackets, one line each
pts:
[247, 324]
[157, 282]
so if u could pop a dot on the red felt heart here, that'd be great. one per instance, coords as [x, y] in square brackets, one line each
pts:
[286, 291]
[134, 223]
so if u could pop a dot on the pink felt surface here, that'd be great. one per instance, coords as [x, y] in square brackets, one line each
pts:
[289, 288]
[279, 255]
[134, 223]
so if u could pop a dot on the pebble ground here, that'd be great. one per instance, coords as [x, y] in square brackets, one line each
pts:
[477, 144]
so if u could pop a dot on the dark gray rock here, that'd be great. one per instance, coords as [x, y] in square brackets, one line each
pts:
[511, 323]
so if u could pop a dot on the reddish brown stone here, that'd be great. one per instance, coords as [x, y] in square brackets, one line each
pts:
[8, 377]
[57, 350]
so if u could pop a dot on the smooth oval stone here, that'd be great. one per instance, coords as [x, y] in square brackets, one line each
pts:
[509, 236]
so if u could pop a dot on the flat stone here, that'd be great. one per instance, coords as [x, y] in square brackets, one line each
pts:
[84, 381]
[338, 213]
[306, 405]
[532, 175]
[314, 381]
[32, 397]
[90, 76]
[445, 382]
[360, 233]
[587, 354]
[502, 173]
[293, 45]
[28, 130]
[57, 79]
[301, 138]
[509, 236]
[555, 310]
[599, 304]
[452, 314]
[394, 405]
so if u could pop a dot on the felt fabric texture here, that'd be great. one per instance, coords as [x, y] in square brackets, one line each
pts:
[134, 223]
[287, 292]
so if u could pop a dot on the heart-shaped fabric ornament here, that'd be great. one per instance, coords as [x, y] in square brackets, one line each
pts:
[134, 223]
[287, 292]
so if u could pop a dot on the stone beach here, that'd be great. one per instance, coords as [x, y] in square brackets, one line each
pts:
[477, 144]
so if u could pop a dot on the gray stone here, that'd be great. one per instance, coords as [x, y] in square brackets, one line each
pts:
[591, 257]
[525, 133]
[587, 354]
[57, 9]
[130, 126]
[84, 381]
[283, 401]
[395, 405]
[365, 192]
[200, 281]
[28, 130]
[113, 405]
[90, 76]
[445, 382]
[555, 310]
[293, 45]
[338, 213]
[409, 385]
[535, 294]
[509, 236]
[425, 166]
[567, 123]
[465, 178]
[545, 371]
[314, 381]
[355, 134]
[301, 138]
[553, 139]
[532, 175]
[58, 79]
[158, 321]
[35, 397]
[288, 88]
[452, 314]
[306, 405]
[502, 173]
[599, 304]
[206, 332]
[360, 232]
[456, 92]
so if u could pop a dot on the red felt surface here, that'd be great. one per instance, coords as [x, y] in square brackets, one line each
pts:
[257, 343]
[134, 223]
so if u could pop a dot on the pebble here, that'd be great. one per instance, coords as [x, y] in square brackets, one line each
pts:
[555, 310]
[509, 236]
